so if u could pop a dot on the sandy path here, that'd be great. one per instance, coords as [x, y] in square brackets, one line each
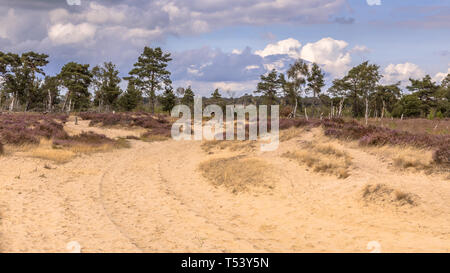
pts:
[151, 198]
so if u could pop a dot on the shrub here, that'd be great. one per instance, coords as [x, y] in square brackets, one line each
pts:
[373, 135]
[442, 155]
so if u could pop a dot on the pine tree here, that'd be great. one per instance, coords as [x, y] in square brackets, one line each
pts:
[76, 78]
[425, 90]
[150, 73]
[131, 98]
[269, 86]
[168, 99]
[188, 98]
[106, 83]
[315, 82]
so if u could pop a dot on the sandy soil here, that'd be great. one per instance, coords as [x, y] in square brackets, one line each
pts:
[152, 198]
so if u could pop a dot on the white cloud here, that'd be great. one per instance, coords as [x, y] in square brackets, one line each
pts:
[69, 33]
[374, 2]
[101, 14]
[290, 47]
[441, 75]
[330, 53]
[235, 88]
[278, 64]
[401, 72]
[249, 67]
[360, 49]
[7, 24]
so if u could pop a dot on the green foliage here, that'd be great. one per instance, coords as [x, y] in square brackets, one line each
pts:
[385, 95]
[315, 80]
[188, 98]
[106, 84]
[270, 85]
[359, 83]
[425, 90]
[411, 106]
[150, 73]
[76, 78]
[131, 98]
[50, 91]
[20, 74]
[168, 99]
[216, 95]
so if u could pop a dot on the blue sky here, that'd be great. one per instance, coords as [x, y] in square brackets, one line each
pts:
[229, 43]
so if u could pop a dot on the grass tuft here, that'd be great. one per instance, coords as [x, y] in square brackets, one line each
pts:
[237, 174]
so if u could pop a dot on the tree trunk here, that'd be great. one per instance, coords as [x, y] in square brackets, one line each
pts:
[70, 105]
[341, 104]
[49, 106]
[382, 110]
[65, 101]
[294, 112]
[366, 116]
[11, 106]
[306, 114]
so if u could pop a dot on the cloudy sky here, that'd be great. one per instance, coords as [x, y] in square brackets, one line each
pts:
[229, 43]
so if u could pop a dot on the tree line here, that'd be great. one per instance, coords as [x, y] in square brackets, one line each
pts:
[24, 86]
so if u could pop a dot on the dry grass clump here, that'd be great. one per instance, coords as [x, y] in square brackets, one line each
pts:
[323, 158]
[1, 149]
[46, 150]
[231, 145]
[238, 173]
[290, 133]
[414, 162]
[405, 157]
[156, 134]
[381, 194]
[64, 151]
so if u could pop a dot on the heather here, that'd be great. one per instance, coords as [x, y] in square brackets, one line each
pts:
[20, 129]
[374, 135]
[157, 125]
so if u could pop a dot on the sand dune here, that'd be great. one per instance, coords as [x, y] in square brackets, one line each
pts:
[154, 198]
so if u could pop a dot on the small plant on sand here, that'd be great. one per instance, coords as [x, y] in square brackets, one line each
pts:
[382, 194]
[323, 159]
[237, 174]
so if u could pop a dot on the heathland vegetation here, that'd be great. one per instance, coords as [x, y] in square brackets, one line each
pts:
[357, 162]
[356, 106]
[24, 86]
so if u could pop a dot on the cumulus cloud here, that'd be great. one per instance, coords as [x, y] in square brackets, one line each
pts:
[330, 53]
[236, 88]
[5, 28]
[107, 27]
[360, 49]
[401, 72]
[69, 33]
[290, 47]
[441, 75]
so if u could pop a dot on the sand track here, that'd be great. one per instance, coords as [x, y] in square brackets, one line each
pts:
[152, 198]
